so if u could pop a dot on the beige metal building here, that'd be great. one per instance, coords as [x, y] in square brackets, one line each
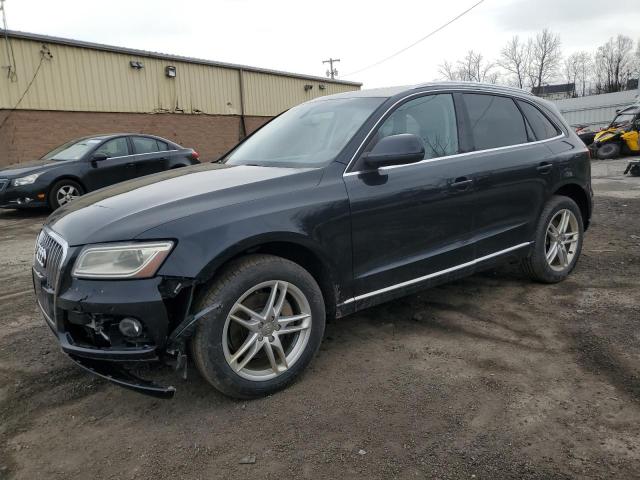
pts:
[55, 89]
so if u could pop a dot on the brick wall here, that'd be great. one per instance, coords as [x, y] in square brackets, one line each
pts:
[29, 134]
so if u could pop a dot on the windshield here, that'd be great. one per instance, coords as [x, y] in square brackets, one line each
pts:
[624, 117]
[309, 135]
[72, 150]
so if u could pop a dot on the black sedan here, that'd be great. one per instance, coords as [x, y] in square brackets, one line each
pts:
[87, 164]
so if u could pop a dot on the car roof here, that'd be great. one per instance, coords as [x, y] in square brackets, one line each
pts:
[388, 92]
[630, 109]
[106, 136]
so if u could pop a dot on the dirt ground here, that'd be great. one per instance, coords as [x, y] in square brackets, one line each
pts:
[489, 377]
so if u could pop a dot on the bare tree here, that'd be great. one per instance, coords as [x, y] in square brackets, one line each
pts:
[448, 71]
[546, 56]
[614, 64]
[474, 68]
[514, 58]
[571, 71]
[584, 69]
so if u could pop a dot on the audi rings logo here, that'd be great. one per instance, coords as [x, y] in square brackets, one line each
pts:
[41, 256]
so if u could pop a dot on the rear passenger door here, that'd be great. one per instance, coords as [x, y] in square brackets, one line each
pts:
[513, 171]
[151, 155]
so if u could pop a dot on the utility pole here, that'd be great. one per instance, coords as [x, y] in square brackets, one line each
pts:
[332, 72]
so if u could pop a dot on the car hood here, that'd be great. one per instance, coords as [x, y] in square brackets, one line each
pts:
[26, 168]
[126, 210]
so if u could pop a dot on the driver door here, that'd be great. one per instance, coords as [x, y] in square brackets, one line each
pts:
[412, 223]
[117, 167]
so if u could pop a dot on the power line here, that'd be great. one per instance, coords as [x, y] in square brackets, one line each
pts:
[11, 68]
[417, 41]
[45, 54]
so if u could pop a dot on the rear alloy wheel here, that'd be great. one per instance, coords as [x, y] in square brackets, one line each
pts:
[63, 192]
[561, 242]
[267, 327]
[558, 241]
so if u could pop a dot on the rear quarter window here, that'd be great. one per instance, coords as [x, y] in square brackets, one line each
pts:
[144, 144]
[494, 121]
[539, 123]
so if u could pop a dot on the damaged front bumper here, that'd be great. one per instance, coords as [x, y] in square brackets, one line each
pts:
[85, 314]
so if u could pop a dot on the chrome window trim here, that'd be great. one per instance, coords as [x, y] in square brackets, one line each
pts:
[433, 275]
[138, 154]
[446, 157]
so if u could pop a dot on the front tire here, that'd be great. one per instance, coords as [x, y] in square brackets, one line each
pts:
[267, 326]
[558, 241]
[609, 150]
[63, 192]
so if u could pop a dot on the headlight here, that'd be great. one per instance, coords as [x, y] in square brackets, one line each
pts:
[118, 260]
[28, 180]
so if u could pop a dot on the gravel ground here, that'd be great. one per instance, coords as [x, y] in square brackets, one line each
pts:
[489, 377]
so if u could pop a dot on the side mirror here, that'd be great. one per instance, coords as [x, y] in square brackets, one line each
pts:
[396, 150]
[98, 157]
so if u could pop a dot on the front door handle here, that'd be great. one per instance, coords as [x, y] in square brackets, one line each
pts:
[544, 167]
[461, 183]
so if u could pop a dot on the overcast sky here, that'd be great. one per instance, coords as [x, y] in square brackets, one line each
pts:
[296, 35]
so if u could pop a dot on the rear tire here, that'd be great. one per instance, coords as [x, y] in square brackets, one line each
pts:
[63, 192]
[609, 150]
[558, 241]
[249, 346]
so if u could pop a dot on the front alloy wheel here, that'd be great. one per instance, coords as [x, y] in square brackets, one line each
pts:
[66, 193]
[63, 192]
[266, 325]
[267, 330]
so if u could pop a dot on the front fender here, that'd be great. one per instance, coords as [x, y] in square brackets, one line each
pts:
[317, 221]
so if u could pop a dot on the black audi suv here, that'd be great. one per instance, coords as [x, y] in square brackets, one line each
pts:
[336, 205]
[86, 164]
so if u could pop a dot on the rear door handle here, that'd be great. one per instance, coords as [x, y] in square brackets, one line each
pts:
[544, 167]
[461, 183]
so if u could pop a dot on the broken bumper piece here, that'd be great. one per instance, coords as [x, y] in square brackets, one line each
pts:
[116, 373]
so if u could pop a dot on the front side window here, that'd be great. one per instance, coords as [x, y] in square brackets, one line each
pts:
[309, 135]
[116, 147]
[541, 126]
[432, 118]
[145, 145]
[494, 121]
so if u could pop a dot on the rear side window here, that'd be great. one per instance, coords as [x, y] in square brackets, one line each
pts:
[118, 147]
[494, 121]
[162, 146]
[541, 126]
[432, 118]
[145, 145]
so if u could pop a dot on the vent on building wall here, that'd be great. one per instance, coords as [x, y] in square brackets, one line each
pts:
[135, 64]
[307, 87]
[170, 71]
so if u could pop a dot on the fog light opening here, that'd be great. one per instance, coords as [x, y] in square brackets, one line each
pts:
[130, 327]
